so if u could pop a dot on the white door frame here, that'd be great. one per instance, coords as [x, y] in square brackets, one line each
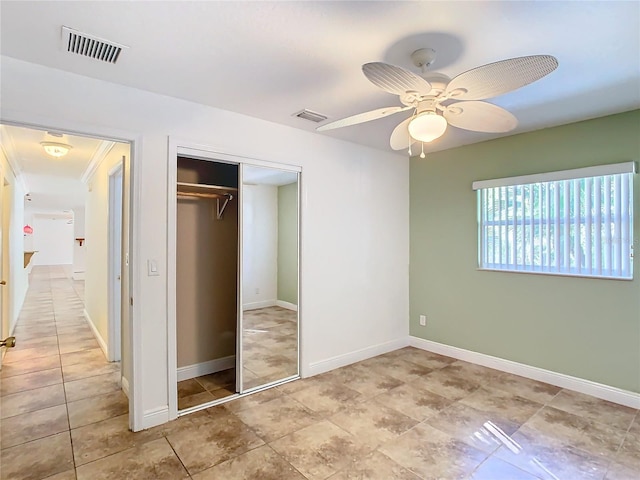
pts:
[4, 236]
[134, 171]
[114, 343]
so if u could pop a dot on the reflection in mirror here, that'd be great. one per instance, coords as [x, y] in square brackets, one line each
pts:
[270, 276]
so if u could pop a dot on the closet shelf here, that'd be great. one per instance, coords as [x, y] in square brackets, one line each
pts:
[184, 187]
[198, 190]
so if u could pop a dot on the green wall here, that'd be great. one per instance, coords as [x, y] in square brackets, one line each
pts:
[587, 328]
[288, 243]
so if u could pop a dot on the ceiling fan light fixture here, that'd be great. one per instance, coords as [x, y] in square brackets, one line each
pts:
[427, 126]
[56, 149]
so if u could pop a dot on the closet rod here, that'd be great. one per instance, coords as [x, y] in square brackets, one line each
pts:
[204, 195]
[219, 208]
[205, 187]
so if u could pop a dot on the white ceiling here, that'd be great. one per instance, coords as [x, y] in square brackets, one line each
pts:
[53, 184]
[272, 59]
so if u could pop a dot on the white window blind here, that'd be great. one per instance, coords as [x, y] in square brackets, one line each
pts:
[574, 222]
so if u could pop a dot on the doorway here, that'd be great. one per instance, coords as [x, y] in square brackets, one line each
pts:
[94, 325]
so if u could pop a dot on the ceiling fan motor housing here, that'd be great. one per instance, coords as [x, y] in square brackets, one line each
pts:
[423, 57]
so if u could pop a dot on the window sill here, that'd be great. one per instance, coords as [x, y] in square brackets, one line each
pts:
[554, 274]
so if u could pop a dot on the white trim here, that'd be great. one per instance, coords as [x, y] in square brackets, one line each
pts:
[78, 275]
[257, 305]
[352, 357]
[154, 417]
[13, 158]
[269, 303]
[96, 333]
[172, 241]
[287, 305]
[114, 260]
[598, 390]
[209, 152]
[205, 368]
[596, 171]
[97, 158]
[125, 385]
[239, 289]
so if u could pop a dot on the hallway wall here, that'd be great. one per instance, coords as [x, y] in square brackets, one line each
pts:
[97, 242]
[52, 239]
[16, 275]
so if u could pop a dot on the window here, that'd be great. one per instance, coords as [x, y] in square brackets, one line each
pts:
[574, 222]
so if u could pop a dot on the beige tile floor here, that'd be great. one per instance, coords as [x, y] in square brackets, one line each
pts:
[270, 353]
[270, 345]
[405, 415]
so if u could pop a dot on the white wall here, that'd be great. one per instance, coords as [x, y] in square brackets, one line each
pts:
[260, 246]
[16, 277]
[78, 250]
[96, 229]
[355, 246]
[53, 240]
[28, 220]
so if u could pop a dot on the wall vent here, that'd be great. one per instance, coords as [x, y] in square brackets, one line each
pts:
[90, 46]
[311, 116]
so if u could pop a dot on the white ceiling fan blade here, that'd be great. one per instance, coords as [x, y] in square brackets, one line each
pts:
[480, 117]
[362, 117]
[500, 77]
[400, 138]
[394, 79]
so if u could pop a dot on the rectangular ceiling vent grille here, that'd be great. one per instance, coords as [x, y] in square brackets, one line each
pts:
[91, 46]
[311, 116]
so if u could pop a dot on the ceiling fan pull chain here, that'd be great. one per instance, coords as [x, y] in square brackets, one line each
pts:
[410, 149]
[422, 155]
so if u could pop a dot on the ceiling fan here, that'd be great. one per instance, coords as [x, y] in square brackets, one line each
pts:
[438, 101]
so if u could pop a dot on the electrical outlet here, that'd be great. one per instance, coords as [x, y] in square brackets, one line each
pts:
[423, 320]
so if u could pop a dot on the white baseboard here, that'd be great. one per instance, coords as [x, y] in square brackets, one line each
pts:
[77, 275]
[205, 368]
[96, 333]
[287, 305]
[155, 416]
[345, 359]
[599, 390]
[125, 386]
[257, 305]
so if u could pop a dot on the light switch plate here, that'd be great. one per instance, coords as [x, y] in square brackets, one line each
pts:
[152, 268]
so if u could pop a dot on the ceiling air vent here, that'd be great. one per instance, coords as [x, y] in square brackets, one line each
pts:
[311, 116]
[91, 46]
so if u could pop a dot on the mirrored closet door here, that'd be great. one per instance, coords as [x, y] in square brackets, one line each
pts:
[268, 336]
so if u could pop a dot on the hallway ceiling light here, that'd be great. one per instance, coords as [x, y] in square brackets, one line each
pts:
[56, 149]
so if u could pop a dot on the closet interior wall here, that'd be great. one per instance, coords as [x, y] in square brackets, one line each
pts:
[206, 271]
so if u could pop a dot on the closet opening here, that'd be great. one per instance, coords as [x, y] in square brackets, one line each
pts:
[206, 280]
[236, 277]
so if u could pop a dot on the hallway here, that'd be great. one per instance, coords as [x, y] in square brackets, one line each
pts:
[54, 382]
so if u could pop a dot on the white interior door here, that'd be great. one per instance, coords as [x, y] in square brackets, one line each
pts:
[115, 263]
[4, 322]
[5, 205]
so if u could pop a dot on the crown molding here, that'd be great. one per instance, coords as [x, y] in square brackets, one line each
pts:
[97, 158]
[13, 158]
